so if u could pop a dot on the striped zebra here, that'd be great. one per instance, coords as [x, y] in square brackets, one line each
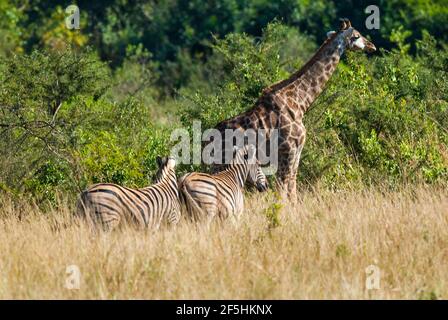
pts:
[221, 194]
[108, 204]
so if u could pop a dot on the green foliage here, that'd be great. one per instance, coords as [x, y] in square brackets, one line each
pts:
[342, 251]
[71, 116]
[41, 81]
[55, 35]
[59, 131]
[272, 212]
[120, 144]
[157, 144]
[104, 160]
[39, 114]
[136, 76]
[178, 31]
[381, 120]
[50, 176]
[10, 30]
[245, 67]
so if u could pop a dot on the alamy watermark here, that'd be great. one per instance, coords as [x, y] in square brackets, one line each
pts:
[215, 147]
[373, 277]
[73, 280]
[72, 20]
[373, 20]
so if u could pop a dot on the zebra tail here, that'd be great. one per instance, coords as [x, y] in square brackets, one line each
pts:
[83, 207]
[195, 212]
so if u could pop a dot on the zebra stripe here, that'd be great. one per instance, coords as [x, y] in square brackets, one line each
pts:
[109, 204]
[221, 194]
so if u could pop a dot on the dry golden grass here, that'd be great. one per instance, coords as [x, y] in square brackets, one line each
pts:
[320, 250]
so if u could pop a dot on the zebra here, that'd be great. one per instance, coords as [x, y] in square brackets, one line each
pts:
[107, 204]
[207, 196]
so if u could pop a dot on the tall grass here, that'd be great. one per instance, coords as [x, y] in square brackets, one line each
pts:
[319, 248]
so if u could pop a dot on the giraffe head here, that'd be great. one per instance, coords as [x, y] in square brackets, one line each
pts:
[352, 38]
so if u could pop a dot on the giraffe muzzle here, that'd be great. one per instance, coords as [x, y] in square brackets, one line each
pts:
[370, 47]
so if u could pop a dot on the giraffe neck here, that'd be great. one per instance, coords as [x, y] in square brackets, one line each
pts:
[303, 87]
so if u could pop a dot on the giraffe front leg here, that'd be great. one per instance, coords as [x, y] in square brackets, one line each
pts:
[288, 168]
[292, 183]
[286, 175]
[287, 185]
[281, 179]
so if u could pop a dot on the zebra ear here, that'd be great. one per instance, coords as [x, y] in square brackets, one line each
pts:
[171, 162]
[234, 151]
[159, 161]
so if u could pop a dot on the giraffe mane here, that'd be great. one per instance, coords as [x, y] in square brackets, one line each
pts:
[283, 83]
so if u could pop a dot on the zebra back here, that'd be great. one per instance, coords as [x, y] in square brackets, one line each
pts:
[221, 194]
[109, 204]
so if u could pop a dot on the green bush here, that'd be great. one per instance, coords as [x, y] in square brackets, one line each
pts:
[39, 110]
[381, 120]
[68, 119]
[104, 161]
[384, 120]
[59, 131]
[50, 176]
[241, 67]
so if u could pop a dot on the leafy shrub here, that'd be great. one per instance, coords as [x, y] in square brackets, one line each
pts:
[381, 119]
[272, 212]
[39, 115]
[47, 178]
[104, 160]
[242, 67]
[380, 125]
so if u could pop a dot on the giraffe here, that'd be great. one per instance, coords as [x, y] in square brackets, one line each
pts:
[283, 105]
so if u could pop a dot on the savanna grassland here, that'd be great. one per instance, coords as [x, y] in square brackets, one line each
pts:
[99, 104]
[318, 249]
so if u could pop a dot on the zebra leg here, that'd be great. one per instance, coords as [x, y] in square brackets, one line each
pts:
[109, 225]
[174, 217]
[239, 207]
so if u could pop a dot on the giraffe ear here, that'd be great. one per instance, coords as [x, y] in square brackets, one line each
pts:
[343, 24]
[330, 33]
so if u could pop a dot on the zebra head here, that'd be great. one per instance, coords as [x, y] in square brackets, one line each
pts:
[165, 164]
[248, 156]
